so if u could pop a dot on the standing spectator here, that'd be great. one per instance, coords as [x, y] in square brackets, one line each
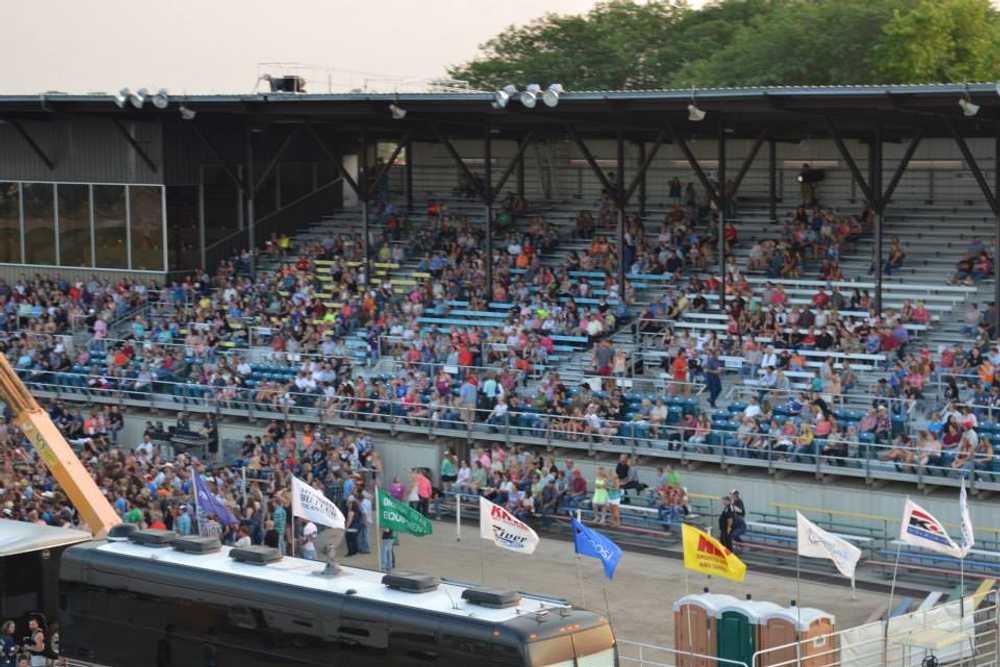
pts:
[8, 644]
[365, 505]
[387, 556]
[309, 541]
[599, 502]
[713, 377]
[727, 523]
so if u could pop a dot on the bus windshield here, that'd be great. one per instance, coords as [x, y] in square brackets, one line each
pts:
[590, 648]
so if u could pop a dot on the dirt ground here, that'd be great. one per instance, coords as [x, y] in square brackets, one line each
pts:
[640, 598]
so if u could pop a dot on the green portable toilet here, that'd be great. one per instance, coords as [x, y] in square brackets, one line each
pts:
[737, 629]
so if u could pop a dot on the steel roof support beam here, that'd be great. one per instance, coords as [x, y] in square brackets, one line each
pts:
[32, 143]
[516, 162]
[336, 160]
[135, 146]
[970, 160]
[589, 157]
[647, 159]
[748, 162]
[996, 232]
[851, 164]
[723, 205]
[693, 163]
[897, 176]
[217, 155]
[620, 201]
[384, 170]
[274, 160]
[488, 196]
[443, 140]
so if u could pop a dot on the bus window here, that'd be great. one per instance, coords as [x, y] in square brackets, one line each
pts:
[594, 647]
[555, 652]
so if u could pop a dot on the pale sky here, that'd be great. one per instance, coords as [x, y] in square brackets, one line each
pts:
[202, 46]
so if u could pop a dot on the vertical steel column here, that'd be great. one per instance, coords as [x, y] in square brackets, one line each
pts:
[723, 204]
[620, 205]
[996, 234]
[772, 179]
[875, 184]
[488, 199]
[364, 187]
[201, 217]
[520, 169]
[409, 177]
[247, 188]
[642, 180]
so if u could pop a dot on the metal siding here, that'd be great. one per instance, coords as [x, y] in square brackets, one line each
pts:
[83, 150]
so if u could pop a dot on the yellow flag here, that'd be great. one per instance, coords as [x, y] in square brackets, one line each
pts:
[705, 554]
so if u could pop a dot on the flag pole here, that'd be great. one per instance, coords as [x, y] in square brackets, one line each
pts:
[293, 535]
[961, 586]
[458, 516]
[579, 573]
[378, 527]
[888, 611]
[194, 492]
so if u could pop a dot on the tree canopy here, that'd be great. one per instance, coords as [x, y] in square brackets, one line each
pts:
[622, 44]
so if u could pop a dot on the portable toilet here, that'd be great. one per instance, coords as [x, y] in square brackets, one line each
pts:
[695, 627]
[738, 630]
[813, 630]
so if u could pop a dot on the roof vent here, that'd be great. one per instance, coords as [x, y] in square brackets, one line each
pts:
[411, 582]
[153, 538]
[491, 597]
[196, 544]
[255, 555]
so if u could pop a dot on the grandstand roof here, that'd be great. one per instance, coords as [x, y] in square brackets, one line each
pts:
[790, 112]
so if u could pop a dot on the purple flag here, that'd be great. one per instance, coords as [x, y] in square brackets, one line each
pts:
[210, 504]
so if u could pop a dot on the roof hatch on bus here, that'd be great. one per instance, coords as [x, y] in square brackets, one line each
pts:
[491, 597]
[411, 582]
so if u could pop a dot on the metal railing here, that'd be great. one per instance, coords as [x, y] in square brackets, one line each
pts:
[725, 447]
[639, 654]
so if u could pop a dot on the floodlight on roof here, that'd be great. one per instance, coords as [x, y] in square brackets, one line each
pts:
[502, 96]
[161, 99]
[138, 98]
[398, 112]
[695, 114]
[187, 114]
[968, 108]
[121, 97]
[551, 94]
[529, 98]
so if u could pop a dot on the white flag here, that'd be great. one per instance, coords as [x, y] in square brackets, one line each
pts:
[309, 503]
[921, 529]
[504, 529]
[814, 542]
[968, 537]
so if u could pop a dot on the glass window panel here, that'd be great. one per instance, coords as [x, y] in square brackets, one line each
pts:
[10, 223]
[39, 223]
[182, 212]
[110, 219]
[74, 225]
[146, 218]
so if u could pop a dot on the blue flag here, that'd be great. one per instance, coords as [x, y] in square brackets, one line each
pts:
[208, 503]
[591, 543]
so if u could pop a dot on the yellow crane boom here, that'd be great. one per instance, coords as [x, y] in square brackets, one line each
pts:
[62, 462]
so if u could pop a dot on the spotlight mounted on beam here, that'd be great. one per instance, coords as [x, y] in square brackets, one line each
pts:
[529, 98]
[695, 115]
[138, 98]
[969, 109]
[161, 99]
[503, 96]
[398, 112]
[121, 97]
[551, 94]
[187, 114]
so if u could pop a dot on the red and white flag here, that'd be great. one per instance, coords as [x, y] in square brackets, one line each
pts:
[920, 529]
[504, 529]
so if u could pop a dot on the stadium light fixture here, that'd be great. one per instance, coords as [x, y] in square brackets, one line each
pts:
[398, 112]
[529, 98]
[502, 96]
[969, 109]
[695, 115]
[138, 98]
[187, 114]
[121, 97]
[551, 94]
[161, 99]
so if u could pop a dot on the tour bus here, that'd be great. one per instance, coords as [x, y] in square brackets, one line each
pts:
[166, 601]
